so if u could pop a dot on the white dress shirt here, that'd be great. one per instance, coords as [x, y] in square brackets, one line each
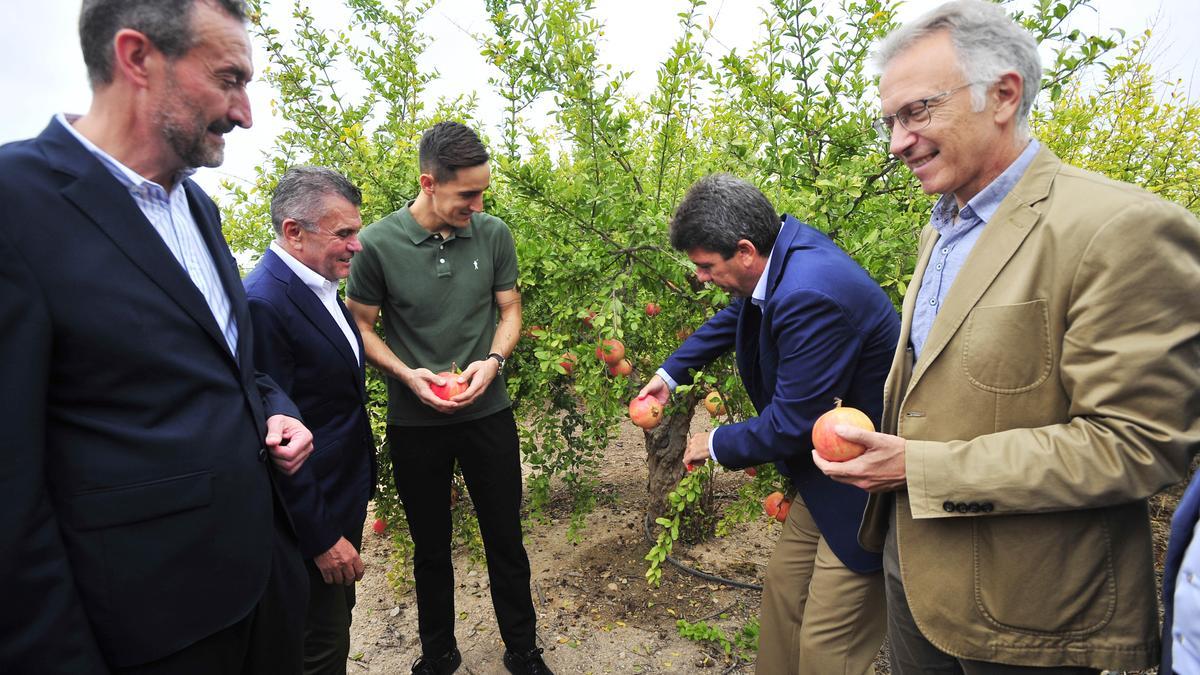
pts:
[325, 290]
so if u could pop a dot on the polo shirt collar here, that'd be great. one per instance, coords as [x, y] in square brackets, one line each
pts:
[418, 234]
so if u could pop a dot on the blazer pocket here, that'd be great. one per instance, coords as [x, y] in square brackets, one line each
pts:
[142, 501]
[1045, 574]
[1006, 348]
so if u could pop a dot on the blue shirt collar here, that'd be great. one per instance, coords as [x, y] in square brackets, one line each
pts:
[983, 206]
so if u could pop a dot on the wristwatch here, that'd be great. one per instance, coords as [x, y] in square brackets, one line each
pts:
[499, 359]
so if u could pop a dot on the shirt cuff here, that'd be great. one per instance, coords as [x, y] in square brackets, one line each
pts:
[712, 436]
[671, 383]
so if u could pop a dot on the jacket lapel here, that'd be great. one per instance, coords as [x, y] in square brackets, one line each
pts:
[751, 339]
[231, 281]
[999, 241]
[310, 306]
[900, 375]
[126, 226]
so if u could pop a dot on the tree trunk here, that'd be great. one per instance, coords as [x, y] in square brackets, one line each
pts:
[664, 459]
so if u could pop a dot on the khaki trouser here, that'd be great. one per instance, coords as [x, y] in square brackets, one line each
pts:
[817, 616]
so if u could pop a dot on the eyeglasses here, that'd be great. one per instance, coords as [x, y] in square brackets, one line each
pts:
[913, 116]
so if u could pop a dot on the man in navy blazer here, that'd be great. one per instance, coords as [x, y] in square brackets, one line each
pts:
[808, 325]
[140, 529]
[305, 339]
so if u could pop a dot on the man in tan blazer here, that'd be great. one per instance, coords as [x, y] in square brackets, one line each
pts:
[1046, 382]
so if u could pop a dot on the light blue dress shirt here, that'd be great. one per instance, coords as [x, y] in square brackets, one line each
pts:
[172, 218]
[1185, 630]
[957, 239]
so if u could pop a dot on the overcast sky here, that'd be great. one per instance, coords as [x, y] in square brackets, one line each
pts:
[44, 73]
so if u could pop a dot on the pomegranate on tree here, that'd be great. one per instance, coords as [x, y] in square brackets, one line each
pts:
[646, 412]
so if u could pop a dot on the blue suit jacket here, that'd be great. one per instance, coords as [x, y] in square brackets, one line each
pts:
[300, 346]
[138, 515]
[826, 330]
[1183, 524]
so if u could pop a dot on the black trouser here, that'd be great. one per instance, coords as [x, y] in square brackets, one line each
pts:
[422, 463]
[267, 641]
[327, 625]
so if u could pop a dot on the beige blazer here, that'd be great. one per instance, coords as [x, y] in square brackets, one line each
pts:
[1059, 388]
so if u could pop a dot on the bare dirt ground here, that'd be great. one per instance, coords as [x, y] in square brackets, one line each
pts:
[595, 612]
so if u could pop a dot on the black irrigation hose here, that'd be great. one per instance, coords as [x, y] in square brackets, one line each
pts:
[695, 572]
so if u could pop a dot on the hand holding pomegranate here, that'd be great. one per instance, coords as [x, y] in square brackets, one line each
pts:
[421, 381]
[479, 376]
[879, 469]
[657, 389]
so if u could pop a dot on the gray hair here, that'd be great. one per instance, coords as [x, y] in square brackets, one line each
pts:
[718, 211]
[300, 194]
[166, 23]
[988, 44]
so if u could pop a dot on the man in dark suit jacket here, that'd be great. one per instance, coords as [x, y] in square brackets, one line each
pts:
[140, 531]
[305, 339]
[808, 325]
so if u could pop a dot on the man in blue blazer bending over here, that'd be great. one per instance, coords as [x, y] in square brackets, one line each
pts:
[808, 325]
[307, 342]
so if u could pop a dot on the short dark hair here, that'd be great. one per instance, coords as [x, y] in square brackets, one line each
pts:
[167, 23]
[300, 192]
[447, 147]
[718, 211]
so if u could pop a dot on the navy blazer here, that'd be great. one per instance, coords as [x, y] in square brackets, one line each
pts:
[826, 330]
[300, 346]
[138, 510]
[1183, 525]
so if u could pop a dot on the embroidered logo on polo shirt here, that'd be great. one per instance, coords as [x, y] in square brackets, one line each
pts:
[477, 263]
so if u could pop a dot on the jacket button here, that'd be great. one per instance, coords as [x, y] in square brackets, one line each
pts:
[961, 507]
[948, 506]
[986, 507]
[262, 454]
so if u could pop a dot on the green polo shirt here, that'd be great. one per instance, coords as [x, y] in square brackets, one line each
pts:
[437, 300]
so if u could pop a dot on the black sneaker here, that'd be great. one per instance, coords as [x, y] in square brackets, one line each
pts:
[526, 663]
[441, 665]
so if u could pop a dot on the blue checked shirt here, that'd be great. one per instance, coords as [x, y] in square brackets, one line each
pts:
[171, 217]
[1185, 629]
[957, 239]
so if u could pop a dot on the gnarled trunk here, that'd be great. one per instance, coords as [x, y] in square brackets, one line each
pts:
[664, 460]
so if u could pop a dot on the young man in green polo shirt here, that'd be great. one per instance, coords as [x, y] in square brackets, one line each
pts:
[443, 275]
